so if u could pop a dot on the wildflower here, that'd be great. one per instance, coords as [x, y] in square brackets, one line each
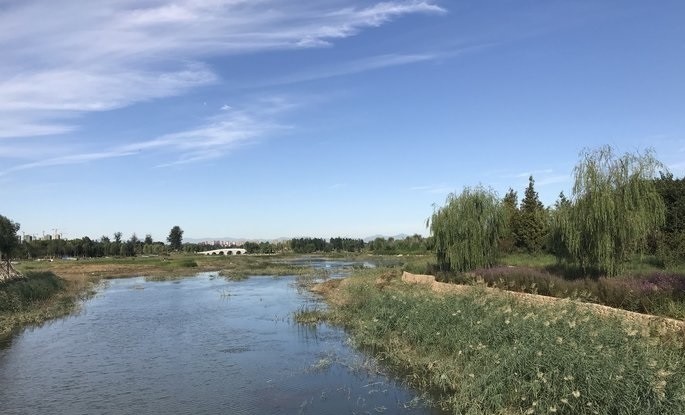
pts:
[547, 323]
[539, 353]
[564, 401]
[552, 409]
[530, 411]
[576, 394]
[572, 324]
[663, 373]
[559, 340]
[471, 375]
[506, 321]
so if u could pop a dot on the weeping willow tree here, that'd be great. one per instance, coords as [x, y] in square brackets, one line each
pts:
[467, 229]
[614, 207]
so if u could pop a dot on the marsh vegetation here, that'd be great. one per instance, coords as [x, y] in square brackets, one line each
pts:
[484, 353]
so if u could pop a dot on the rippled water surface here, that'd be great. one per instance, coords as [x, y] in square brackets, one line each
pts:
[199, 345]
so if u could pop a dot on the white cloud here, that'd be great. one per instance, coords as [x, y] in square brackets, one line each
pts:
[68, 57]
[214, 138]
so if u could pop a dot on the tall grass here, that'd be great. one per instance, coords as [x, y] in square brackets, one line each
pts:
[19, 294]
[485, 354]
[39, 297]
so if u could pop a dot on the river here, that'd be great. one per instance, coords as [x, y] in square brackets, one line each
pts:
[196, 345]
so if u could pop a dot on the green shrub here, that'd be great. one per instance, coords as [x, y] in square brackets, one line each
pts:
[187, 263]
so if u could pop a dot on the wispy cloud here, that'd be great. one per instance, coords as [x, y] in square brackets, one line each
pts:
[527, 174]
[70, 159]
[98, 56]
[214, 138]
[353, 67]
[433, 189]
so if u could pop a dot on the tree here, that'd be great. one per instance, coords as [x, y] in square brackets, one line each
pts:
[148, 239]
[467, 230]
[669, 243]
[532, 221]
[511, 219]
[558, 219]
[8, 240]
[615, 206]
[175, 238]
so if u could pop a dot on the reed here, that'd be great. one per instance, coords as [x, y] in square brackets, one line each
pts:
[482, 353]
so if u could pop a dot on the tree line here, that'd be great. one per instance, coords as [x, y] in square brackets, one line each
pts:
[117, 246]
[85, 247]
[620, 206]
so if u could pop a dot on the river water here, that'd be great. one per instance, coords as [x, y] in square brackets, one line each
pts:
[198, 345]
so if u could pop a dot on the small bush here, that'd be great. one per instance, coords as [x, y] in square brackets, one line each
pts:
[187, 263]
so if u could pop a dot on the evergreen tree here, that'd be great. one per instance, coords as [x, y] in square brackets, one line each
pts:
[558, 219]
[669, 243]
[532, 223]
[175, 238]
[510, 210]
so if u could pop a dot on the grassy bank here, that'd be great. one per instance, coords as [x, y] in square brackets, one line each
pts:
[38, 297]
[161, 267]
[489, 354]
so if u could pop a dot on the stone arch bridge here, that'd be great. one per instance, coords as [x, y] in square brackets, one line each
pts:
[225, 251]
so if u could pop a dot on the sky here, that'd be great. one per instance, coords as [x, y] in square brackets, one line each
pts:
[283, 118]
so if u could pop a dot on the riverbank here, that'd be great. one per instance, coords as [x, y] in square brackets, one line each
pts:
[171, 266]
[486, 352]
[38, 297]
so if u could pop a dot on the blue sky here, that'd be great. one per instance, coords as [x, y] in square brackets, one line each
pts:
[279, 118]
